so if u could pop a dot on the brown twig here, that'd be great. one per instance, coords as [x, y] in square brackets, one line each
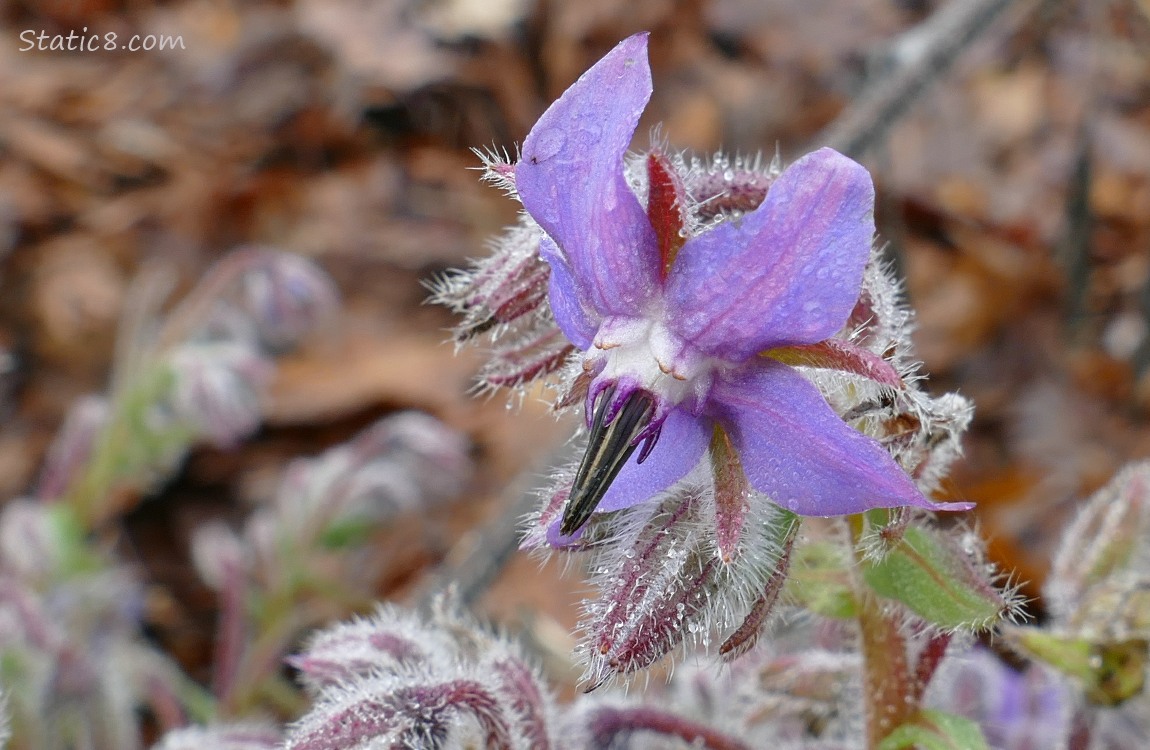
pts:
[922, 55]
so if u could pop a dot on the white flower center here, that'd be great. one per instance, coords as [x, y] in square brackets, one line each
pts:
[643, 352]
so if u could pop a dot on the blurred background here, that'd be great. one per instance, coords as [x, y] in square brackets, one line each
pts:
[1014, 193]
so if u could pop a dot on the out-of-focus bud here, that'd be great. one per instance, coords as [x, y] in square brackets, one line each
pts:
[395, 680]
[820, 580]
[217, 554]
[286, 295]
[404, 462]
[218, 388]
[1103, 553]
[386, 711]
[1098, 593]
[35, 540]
[73, 445]
[224, 737]
[1016, 710]
[1110, 673]
[943, 577]
[387, 641]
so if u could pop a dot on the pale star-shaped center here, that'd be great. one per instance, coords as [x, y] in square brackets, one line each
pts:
[644, 353]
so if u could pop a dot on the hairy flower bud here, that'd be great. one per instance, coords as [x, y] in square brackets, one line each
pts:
[663, 581]
[394, 680]
[286, 296]
[1104, 553]
[217, 389]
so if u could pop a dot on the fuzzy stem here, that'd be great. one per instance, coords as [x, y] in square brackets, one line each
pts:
[888, 686]
[607, 724]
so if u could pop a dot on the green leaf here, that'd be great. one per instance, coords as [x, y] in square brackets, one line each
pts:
[928, 572]
[936, 730]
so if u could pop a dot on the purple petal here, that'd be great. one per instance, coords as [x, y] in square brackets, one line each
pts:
[570, 313]
[788, 272]
[795, 449]
[681, 445]
[570, 179]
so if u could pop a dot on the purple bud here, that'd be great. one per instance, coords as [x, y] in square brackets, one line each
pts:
[383, 712]
[509, 285]
[663, 581]
[1016, 710]
[218, 389]
[388, 641]
[730, 187]
[652, 596]
[395, 680]
[286, 295]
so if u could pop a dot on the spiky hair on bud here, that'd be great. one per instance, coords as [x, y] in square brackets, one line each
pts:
[498, 169]
[503, 303]
[664, 582]
[217, 389]
[399, 680]
[802, 689]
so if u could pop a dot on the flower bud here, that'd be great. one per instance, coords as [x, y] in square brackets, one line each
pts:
[218, 389]
[286, 295]
[396, 680]
[1104, 548]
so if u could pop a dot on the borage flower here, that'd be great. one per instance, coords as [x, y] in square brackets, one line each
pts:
[686, 340]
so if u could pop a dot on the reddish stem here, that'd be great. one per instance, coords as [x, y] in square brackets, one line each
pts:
[888, 686]
[607, 724]
[932, 655]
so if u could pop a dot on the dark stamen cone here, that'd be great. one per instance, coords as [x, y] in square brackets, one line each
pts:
[608, 448]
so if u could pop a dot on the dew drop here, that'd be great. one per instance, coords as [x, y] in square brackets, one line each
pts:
[548, 144]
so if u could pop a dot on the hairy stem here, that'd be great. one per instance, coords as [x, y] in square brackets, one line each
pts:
[889, 688]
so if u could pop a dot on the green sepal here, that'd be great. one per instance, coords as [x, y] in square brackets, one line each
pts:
[927, 572]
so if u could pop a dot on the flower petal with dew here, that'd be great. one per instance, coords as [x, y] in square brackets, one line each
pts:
[677, 337]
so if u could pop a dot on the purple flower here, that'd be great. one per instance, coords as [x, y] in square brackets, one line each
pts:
[688, 333]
